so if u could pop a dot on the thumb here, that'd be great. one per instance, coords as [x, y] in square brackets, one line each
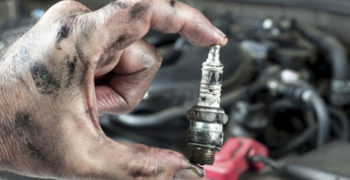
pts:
[194, 172]
[116, 160]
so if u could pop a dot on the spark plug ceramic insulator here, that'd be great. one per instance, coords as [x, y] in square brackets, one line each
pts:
[205, 135]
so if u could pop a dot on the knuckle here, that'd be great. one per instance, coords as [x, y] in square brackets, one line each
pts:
[159, 57]
[67, 5]
[130, 105]
[153, 60]
[139, 11]
[83, 170]
[126, 106]
[154, 57]
[64, 9]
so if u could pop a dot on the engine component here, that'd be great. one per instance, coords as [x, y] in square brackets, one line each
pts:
[314, 165]
[304, 93]
[338, 59]
[205, 134]
[232, 161]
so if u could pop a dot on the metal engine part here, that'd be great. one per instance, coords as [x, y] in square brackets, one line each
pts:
[205, 134]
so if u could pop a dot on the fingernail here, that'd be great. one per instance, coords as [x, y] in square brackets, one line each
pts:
[224, 39]
[198, 170]
[220, 32]
[193, 172]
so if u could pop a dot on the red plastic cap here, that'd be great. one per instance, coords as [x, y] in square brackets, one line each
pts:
[232, 161]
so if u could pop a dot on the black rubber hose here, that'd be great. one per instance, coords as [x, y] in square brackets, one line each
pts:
[322, 116]
[296, 142]
[303, 137]
[337, 54]
[344, 121]
[153, 119]
[297, 171]
[180, 111]
[304, 93]
[268, 162]
[245, 93]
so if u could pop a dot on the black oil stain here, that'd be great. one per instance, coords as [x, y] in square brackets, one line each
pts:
[22, 121]
[85, 63]
[172, 3]
[65, 28]
[71, 67]
[36, 152]
[34, 141]
[45, 81]
[121, 40]
[80, 52]
[139, 173]
[117, 45]
[138, 10]
[107, 61]
[62, 33]
[22, 127]
[215, 78]
[142, 172]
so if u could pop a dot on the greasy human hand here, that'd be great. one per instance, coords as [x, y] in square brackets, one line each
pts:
[76, 64]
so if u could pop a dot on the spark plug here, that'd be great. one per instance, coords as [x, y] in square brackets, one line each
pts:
[205, 134]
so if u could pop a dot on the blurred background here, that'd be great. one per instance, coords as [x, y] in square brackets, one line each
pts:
[286, 82]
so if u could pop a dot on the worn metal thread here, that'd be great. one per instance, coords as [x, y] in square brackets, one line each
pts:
[203, 156]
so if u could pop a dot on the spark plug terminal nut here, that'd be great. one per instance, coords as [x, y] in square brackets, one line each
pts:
[205, 134]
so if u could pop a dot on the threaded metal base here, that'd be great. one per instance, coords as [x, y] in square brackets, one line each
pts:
[202, 156]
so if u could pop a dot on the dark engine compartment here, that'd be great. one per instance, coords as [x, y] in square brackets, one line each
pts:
[286, 81]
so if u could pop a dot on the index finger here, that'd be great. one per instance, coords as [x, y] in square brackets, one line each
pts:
[123, 22]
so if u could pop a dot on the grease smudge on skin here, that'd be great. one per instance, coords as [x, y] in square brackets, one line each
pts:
[138, 10]
[45, 82]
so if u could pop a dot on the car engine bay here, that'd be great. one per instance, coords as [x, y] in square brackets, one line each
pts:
[286, 84]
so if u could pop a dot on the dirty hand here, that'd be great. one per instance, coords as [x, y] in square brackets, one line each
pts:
[76, 64]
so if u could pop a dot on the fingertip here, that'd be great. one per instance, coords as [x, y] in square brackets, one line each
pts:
[191, 173]
[211, 36]
[222, 38]
[223, 41]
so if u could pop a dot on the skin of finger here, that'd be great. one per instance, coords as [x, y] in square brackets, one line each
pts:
[132, 77]
[121, 23]
[100, 52]
[148, 56]
[38, 78]
[34, 136]
[133, 161]
[63, 9]
[187, 174]
[85, 154]
[189, 22]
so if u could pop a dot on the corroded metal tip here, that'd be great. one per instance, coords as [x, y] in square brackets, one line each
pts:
[210, 88]
[202, 156]
[214, 54]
